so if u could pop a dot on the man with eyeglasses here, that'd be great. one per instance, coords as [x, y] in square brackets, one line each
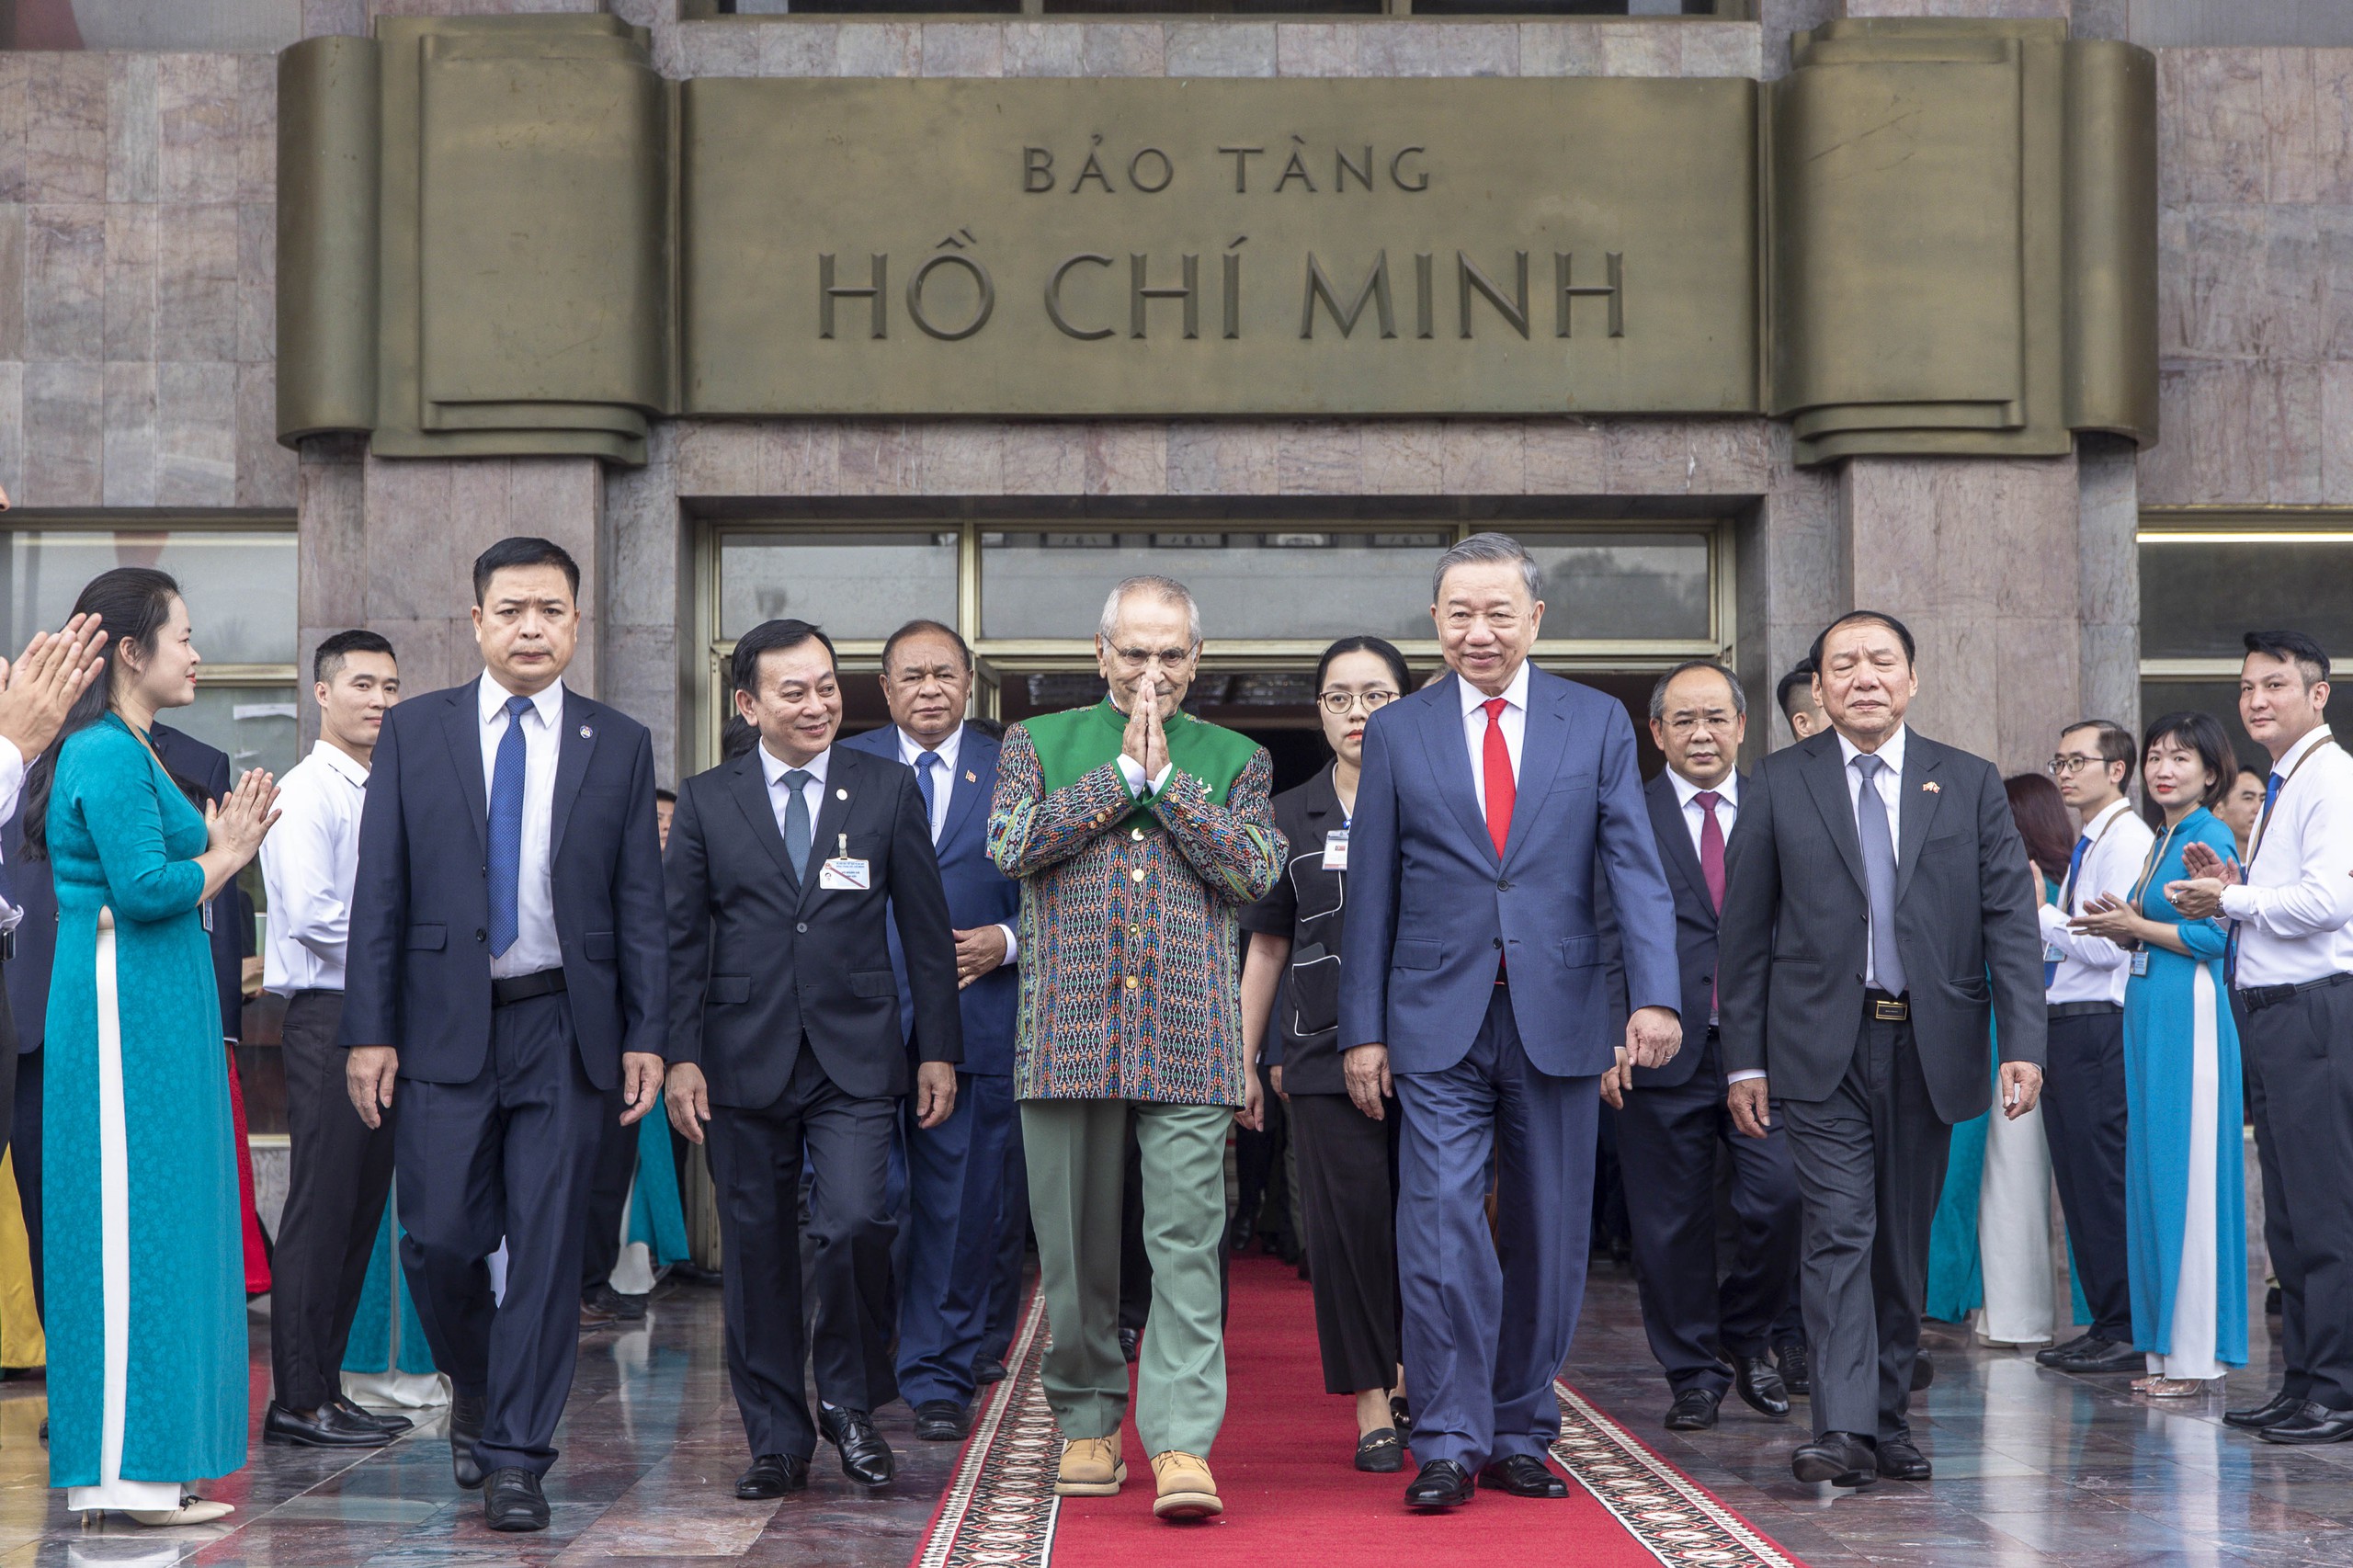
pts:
[2084, 978]
[1138, 834]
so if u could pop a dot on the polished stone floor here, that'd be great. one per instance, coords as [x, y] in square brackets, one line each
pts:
[2032, 1467]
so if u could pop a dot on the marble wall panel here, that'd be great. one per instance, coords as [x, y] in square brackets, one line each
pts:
[195, 281]
[1221, 49]
[65, 435]
[11, 427]
[196, 433]
[266, 468]
[133, 129]
[128, 463]
[199, 127]
[65, 281]
[16, 72]
[12, 281]
[131, 242]
[963, 48]
[65, 128]
[879, 48]
[1124, 49]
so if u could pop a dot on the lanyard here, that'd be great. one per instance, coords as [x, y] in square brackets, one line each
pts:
[2148, 868]
[2255, 845]
[2067, 894]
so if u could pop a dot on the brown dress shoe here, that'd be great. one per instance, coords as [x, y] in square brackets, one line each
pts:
[1188, 1491]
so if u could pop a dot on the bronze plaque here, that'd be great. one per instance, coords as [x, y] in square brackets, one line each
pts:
[1075, 247]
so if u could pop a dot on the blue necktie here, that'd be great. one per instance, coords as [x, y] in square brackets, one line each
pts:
[2230, 946]
[2068, 899]
[924, 764]
[1879, 874]
[796, 820]
[507, 832]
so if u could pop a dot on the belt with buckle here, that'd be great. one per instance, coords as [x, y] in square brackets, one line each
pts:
[2260, 997]
[517, 988]
[1886, 1009]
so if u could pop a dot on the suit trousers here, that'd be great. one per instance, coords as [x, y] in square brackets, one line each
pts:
[1006, 1269]
[956, 1174]
[1670, 1137]
[338, 1172]
[509, 1154]
[1870, 1163]
[616, 1168]
[1076, 1152]
[1347, 1178]
[1486, 1335]
[2084, 1115]
[756, 1163]
[2301, 1053]
[24, 1148]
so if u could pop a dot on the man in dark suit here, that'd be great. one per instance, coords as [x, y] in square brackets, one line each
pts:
[787, 870]
[1672, 1119]
[1878, 912]
[1476, 991]
[957, 1171]
[507, 972]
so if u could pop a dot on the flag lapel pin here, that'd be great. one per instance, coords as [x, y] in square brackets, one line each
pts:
[1933, 787]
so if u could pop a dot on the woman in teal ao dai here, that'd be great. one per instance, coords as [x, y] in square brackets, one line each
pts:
[2184, 1176]
[147, 1311]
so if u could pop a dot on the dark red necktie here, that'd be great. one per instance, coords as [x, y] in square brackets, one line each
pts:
[1712, 848]
[1495, 763]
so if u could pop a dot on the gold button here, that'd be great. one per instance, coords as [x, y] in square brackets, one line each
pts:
[1136, 875]
[1131, 983]
[1135, 930]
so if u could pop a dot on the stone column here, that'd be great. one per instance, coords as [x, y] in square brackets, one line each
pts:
[2107, 595]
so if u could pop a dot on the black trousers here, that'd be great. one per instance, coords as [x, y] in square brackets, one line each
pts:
[2083, 1117]
[509, 1154]
[2299, 1054]
[755, 1162]
[338, 1173]
[1348, 1190]
[600, 1243]
[1012, 1249]
[24, 1145]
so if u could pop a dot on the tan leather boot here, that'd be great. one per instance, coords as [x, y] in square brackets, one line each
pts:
[1091, 1467]
[1188, 1491]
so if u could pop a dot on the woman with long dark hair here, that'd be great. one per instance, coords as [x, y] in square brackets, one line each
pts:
[147, 1372]
[1347, 1162]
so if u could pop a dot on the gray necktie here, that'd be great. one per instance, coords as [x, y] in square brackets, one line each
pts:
[1879, 874]
[796, 820]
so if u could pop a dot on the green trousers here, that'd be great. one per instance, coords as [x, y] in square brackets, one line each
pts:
[1076, 1150]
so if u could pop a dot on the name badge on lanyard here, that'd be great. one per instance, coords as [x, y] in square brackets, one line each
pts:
[2141, 962]
[843, 873]
[1335, 849]
[2051, 953]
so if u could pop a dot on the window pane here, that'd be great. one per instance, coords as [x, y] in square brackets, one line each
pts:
[255, 725]
[239, 583]
[2198, 599]
[1623, 587]
[857, 586]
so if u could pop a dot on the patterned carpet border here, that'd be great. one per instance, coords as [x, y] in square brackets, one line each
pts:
[1674, 1517]
[1000, 1509]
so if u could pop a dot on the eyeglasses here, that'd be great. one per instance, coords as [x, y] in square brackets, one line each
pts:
[1338, 703]
[1140, 658]
[2060, 766]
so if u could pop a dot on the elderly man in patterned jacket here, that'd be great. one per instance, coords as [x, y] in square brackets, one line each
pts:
[1138, 834]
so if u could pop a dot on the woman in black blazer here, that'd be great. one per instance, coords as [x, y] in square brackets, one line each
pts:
[1347, 1162]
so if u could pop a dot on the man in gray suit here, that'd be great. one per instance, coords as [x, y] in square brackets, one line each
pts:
[1878, 913]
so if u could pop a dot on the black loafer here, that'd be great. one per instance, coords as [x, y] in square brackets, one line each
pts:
[1899, 1461]
[392, 1425]
[866, 1457]
[2096, 1357]
[511, 1500]
[1797, 1372]
[1442, 1484]
[1760, 1387]
[988, 1369]
[942, 1421]
[326, 1427]
[2314, 1423]
[1523, 1475]
[773, 1475]
[1379, 1452]
[1841, 1459]
[1694, 1410]
[465, 1431]
[2280, 1408]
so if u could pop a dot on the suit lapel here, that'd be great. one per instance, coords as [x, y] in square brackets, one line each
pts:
[1542, 739]
[573, 746]
[965, 794]
[1674, 835]
[843, 777]
[1915, 809]
[1825, 774]
[750, 788]
[1450, 761]
[464, 731]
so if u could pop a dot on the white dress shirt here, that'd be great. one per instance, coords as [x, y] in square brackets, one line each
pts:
[2093, 969]
[308, 864]
[943, 787]
[1514, 720]
[537, 947]
[2298, 898]
[1889, 785]
[775, 768]
[1727, 805]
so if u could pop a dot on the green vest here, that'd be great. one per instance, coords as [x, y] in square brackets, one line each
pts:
[1071, 744]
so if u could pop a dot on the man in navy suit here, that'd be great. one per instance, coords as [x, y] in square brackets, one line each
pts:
[508, 970]
[1476, 988]
[1672, 1119]
[957, 1171]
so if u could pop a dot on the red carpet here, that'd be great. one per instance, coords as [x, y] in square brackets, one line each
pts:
[1293, 1497]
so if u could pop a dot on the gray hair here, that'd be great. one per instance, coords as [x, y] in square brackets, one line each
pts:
[1658, 692]
[1484, 547]
[1168, 590]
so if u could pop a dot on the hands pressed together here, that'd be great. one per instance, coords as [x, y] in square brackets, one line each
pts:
[1145, 744]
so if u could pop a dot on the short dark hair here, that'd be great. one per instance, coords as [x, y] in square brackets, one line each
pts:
[1799, 680]
[2115, 743]
[770, 637]
[1380, 648]
[1658, 692]
[523, 550]
[736, 738]
[331, 653]
[2294, 647]
[1878, 618]
[919, 628]
[664, 797]
[2203, 733]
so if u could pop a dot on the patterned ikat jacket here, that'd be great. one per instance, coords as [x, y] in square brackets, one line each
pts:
[1131, 984]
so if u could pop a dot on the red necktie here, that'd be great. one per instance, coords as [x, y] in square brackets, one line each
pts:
[1712, 848]
[1496, 762]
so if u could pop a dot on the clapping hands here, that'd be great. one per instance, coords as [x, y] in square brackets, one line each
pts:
[237, 823]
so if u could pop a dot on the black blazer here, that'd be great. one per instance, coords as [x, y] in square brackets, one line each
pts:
[1695, 930]
[759, 961]
[1307, 904]
[418, 976]
[203, 769]
[1795, 929]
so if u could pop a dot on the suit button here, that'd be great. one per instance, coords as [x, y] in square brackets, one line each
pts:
[480, 934]
[1499, 943]
[802, 925]
[1503, 884]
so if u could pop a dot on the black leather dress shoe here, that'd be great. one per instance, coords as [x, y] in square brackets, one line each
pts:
[2314, 1423]
[773, 1475]
[988, 1369]
[1797, 1370]
[1899, 1461]
[1924, 1372]
[1841, 1459]
[866, 1457]
[613, 1306]
[1523, 1475]
[392, 1426]
[1694, 1410]
[325, 1428]
[2280, 1408]
[2052, 1354]
[1131, 1342]
[1442, 1484]
[942, 1421]
[1760, 1387]
[465, 1430]
[2096, 1358]
[511, 1500]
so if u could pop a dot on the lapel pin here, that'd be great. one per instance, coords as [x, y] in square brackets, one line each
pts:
[841, 794]
[587, 734]
[1933, 787]
[971, 777]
